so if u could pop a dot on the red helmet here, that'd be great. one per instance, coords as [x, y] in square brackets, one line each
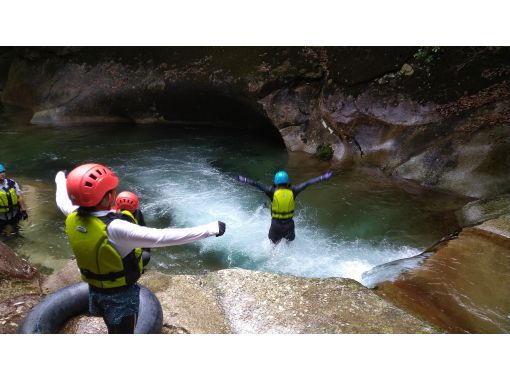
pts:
[88, 184]
[127, 200]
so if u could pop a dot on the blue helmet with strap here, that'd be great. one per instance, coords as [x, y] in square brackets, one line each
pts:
[281, 178]
[2, 168]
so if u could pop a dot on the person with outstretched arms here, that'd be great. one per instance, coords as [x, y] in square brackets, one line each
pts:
[283, 195]
[107, 248]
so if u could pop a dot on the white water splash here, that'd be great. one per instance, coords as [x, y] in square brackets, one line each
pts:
[193, 192]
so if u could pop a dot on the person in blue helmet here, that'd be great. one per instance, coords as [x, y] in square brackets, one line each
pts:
[282, 196]
[12, 205]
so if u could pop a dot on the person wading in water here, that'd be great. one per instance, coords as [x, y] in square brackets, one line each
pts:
[282, 196]
[12, 205]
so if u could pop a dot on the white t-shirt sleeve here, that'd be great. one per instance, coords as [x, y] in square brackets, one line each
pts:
[17, 189]
[126, 236]
[63, 202]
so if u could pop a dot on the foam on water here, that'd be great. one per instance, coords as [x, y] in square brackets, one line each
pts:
[193, 191]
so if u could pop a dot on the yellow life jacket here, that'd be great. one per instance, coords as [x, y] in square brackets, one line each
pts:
[282, 206]
[99, 262]
[8, 197]
[130, 217]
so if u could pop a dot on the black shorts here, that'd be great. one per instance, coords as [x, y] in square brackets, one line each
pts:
[12, 222]
[281, 229]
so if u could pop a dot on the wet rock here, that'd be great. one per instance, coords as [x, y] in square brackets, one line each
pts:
[256, 302]
[242, 301]
[500, 227]
[443, 290]
[190, 303]
[14, 267]
[474, 164]
[484, 209]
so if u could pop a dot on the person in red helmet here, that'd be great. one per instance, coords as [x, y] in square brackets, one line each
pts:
[107, 247]
[128, 204]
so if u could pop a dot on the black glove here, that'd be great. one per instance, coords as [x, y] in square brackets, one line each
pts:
[222, 226]
[24, 214]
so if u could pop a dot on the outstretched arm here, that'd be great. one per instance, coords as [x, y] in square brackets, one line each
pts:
[126, 236]
[265, 188]
[297, 189]
[63, 202]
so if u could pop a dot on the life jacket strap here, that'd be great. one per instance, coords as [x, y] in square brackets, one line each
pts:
[112, 276]
[283, 213]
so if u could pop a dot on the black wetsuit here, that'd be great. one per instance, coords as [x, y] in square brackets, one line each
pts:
[282, 228]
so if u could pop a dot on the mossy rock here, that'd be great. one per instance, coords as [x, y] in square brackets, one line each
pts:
[324, 152]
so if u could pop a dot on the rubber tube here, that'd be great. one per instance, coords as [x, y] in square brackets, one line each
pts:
[150, 314]
[52, 312]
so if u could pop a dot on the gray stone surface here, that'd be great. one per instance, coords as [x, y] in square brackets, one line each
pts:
[484, 209]
[241, 301]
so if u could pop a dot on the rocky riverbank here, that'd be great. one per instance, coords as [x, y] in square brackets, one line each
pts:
[438, 116]
[229, 301]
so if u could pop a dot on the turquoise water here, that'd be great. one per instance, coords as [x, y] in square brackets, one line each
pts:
[185, 176]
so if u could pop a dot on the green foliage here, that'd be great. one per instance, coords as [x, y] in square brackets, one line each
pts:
[324, 152]
[427, 54]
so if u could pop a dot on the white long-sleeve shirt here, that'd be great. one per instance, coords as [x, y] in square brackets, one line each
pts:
[125, 236]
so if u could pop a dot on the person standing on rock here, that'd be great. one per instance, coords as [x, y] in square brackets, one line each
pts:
[12, 205]
[282, 196]
[107, 247]
[127, 203]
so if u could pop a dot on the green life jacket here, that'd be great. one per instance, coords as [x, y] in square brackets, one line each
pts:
[8, 197]
[282, 206]
[99, 262]
[130, 217]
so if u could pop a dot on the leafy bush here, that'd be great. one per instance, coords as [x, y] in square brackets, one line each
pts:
[427, 54]
[324, 152]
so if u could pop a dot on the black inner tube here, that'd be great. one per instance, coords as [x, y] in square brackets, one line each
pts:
[56, 309]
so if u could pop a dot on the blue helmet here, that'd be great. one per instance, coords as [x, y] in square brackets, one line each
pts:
[281, 178]
[2, 168]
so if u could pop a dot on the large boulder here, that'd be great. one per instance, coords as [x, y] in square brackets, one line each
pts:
[242, 301]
